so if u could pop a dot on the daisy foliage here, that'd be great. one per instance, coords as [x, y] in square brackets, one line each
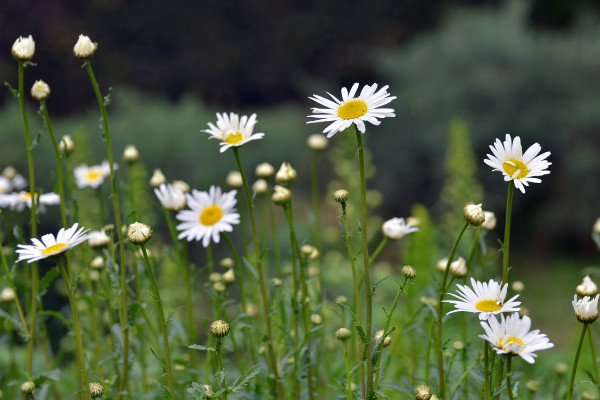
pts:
[209, 214]
[232, 130]
[522, 169]
[352, 109]
[484, 299]
[51, 245]
[512, 336]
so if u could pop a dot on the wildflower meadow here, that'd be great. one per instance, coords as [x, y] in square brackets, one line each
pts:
[122, 284]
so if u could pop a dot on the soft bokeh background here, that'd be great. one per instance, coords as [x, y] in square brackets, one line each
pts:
[479, 69]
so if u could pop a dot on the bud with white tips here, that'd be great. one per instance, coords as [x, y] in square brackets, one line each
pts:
[281, 195]
[343, 334]
[341, 195]
[473, 214]
[234, 179]
[458, 268]
[157, 179]
[66, 145]
[24, 48]
[138, 233]
[586, 309]
[587, 287]
[490, 221]
[423, 393]
[84, 48]
[260, 186]
[96, 390]
[228, 277]
[40, 90]
[409, 272]
[27, 387]
[264, 170]
[317, 142]
[131, 154]
[7, 295]
[286, 175]
[219, 328]
[386, 342]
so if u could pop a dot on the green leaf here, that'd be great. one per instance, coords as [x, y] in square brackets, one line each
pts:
[201, 347]
[8, 317]
[244, 379]
[11, 90]
[251, 268]
[163, 391]
[58, 316]
[47, 280]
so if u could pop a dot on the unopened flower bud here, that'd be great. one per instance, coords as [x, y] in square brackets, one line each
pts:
[40, 90]
[183, 186]
[264, 170]
[386, 342]
[276, 282]
[343, 334]
[9, 172]
[251, 309]
[458, 345]
[66, 145]
[227, 262]
[413, 221]
[260, 186]
[518, 286]
[441, 264]
[27, 387]
[234, 179]
[490, 221]
[215, 277]
[313, 271]
[281, 195]
[317, 142]
[157, 178]
[24, 48]
[219, 328]
[316, 319]
[341, 195]
[219, 287]
[229, 277]
[458, 268]
[423, 392]
[94, 275]
[473, 214]
[138, 233]
[587, 287]
[99, 239]
[131, 154]
[561, 368]
[96, 390]
[7, 295]
[409, 272]
[286, 175]
[341, 299]
[309, 251]
[84, 48]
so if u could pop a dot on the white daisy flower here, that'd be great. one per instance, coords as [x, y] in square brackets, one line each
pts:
[512, 336]
[232, 130]
[352, 109]
[509, 159]
[485, 299]
[51, 246]
[586, 309]
[92, 176]
[397, 228]
[18, 201]
[98, 239]
[170, 196]
[210, 213]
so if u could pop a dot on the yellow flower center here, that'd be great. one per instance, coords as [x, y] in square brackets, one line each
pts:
[211, 215]
[234, 137]
[488, 306]
[352, 109]
[26, 196]
[54, 248]
[511, 339]
[93, 175]
[512, 166]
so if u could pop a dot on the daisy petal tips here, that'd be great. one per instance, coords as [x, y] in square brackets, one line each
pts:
[484, 299]
[352, 109]
[522, 168]
[50, 245]
[233, 130]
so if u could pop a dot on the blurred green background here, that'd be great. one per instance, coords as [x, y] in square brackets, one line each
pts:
[485, 68]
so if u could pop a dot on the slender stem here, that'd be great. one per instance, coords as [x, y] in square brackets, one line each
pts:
[378, 250]
[365, 251]
[261, 277]
[506, 244]
[275, 238]
[11, 284]
[238, 267]
[440, 306]
[486, 369]
[473, 248]
[574, 370]
[314, 192]
[509, 388]
[83, 375]
[463, 329]
[220, 366]
[348, 376]
[115, 200]
[161, 320]
[594, 360]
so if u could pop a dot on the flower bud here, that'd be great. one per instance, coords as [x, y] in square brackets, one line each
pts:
[281, 195]
[94, 275]
[276, 282]
[587, 287]
[227, 262]
[343, 334]
[309, 251]
[313, 271]
[7, 295]
[215, 277]
[183, 186]
[138, 233]
[264, 170]
[317, 142]
[219, 328]
[260, 186]
[234, 179]
[423, 392]
[341, 195]
[27, 387]
[386, 342]
[9, 172]
[96, 390]
[586, 309]
[518, 286]
[316, 319]
[157, 179]
[24, 48]
[251, 309]
[228, 277]
[490, 221]
[208, 392]
[441, 264]
[84, 48]
[286, 175]
[561, 368]
[413, 221]
[458, 268]
[219, 287]
[409, 272]
[473, 214]
[341, 299]
[40, 90]
[131, 154]
[66, 145]
[458, 345]
[397, 228]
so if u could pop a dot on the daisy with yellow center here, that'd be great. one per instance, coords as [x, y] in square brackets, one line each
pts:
[210, 213]
[91, 176]
[352, 109]
[512, 336]
[484, 299]
[50, 245]
[232, 130]
[18, 201]
[523, 169]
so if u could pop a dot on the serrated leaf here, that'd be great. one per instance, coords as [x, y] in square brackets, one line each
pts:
[244, 379]
[361, 333]
[47, 280]
[58, 316]
[8, 317]
[201, 347]
[251, 268]
[163, 391]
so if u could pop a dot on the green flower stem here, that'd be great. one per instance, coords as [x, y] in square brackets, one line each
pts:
[100, 199]
[275, 236]
[386, 331]
[161, 320]
[314, 194]
[465, 360]
[348, 375]
[473, 249]
[594, 360]
[238, 269]
[574, 370]
[11, 284]
[123, 319]
[509, 388]
[440, 306]
[506, 244]
[378, 250]
[486, 370]
[428, 352]
[83, 375]
[295, 310]
[35, 269]
[464, 375]
[261, 278]
[210, 261]
[221, 368]
[365, 251]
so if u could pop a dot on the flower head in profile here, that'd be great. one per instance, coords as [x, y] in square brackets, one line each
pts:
[170, 196]
[24, 48]
[352, 109]
[51, 245]
[397, 228]
[586, 309]
[84, 48]
[512, 336]
[522, 169]
[484, 299]
[232, 130]
[98, 239]
[209, 214]
[92, 176]
[18, 201]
